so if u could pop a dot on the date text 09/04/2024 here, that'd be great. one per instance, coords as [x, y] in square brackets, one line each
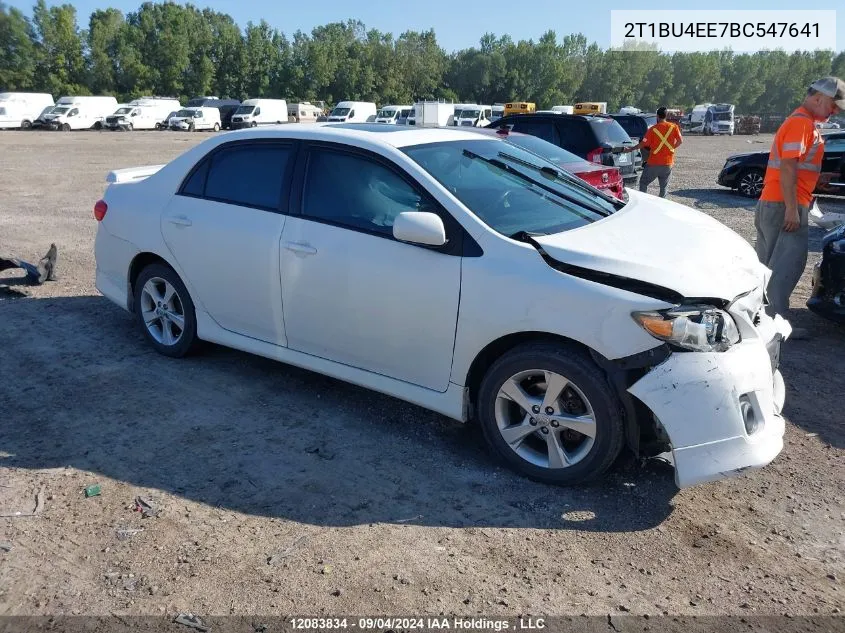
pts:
[392, 624]
[720, 29]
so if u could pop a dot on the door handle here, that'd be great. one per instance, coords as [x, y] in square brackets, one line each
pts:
[300, 248]
[180, 220]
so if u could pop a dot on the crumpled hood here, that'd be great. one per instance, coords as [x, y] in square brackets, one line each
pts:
[663, 243]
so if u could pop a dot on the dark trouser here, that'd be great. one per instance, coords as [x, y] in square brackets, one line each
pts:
[650, 172]
[785, 253]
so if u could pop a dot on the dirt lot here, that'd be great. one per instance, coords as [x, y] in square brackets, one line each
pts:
[284, 492]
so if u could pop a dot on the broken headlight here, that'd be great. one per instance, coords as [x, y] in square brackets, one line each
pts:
[698, 328]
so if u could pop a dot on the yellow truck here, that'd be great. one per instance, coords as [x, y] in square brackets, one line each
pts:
[520, 107]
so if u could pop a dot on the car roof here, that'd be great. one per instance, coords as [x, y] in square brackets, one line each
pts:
[375, 133]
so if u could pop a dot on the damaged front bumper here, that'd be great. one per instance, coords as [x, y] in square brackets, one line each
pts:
[721, 411]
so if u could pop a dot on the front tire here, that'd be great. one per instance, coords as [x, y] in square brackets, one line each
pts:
[26, 125]
[165, 311]
[750, 183]
[549, 413]
[65, 127]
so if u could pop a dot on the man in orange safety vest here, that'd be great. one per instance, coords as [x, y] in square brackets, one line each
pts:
[661, 139]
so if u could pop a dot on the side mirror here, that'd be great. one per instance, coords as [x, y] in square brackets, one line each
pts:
[419, 227]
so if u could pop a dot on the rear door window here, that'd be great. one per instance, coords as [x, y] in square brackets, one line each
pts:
[246, 174]
[576, 136]
[609, 131]
[545, 130]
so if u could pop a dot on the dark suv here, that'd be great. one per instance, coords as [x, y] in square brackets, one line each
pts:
[598, 139]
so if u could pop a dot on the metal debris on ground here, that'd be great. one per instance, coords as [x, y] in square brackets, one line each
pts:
[39, 506]
[124, 534]
[93, 490]
[275, 559]
[191, 620]
[146, 506]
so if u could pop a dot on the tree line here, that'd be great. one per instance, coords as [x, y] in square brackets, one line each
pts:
[184, 51]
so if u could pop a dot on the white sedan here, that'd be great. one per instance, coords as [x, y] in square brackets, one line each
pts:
[466, 275]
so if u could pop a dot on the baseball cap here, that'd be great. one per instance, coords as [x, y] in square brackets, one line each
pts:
[833, 87]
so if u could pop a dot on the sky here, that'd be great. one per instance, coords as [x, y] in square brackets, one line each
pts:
[512, 17]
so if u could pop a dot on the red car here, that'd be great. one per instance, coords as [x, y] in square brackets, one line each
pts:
[608, 179]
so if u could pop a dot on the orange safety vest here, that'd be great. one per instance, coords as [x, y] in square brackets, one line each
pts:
[795, 139]
[660, 139]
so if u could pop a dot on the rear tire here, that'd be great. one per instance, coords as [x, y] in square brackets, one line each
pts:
[550, 449]
[164, 311]
[216, 127]
[26, 125]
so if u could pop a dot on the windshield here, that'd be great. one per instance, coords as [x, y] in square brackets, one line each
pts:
[184, 113]
[469, 114]
[245, 109]
[510, 189]
[340, 111]
[723, 116]
[62, 110]
[386, 114]
[123, 110]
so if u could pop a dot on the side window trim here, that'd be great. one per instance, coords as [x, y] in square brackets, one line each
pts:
[284, 201]
[455, 233]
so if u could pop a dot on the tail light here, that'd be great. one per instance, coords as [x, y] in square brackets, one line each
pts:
[595, 155]
[100, 209]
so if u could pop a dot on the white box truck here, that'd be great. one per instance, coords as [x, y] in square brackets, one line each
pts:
[353, 112]
[141, 114]
[21, 109]
[254, 112]
[432, 114]
[80, 113]
[393, 114]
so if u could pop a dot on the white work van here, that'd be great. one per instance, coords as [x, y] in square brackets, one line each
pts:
[473, 116]
[353, 112]
[145, 113]
[80, 113]
[196, 119]
[393, 114]
[305, 112]
[432, 114]
[21, 109]
[254, 112]
[563, 109]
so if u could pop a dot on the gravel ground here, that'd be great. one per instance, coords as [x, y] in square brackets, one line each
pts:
[284, 492]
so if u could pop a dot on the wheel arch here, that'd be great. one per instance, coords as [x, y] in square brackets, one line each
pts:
[138, 263]
[619, 373]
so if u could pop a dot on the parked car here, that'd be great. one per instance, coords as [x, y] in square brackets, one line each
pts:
[165, 124]
[598, 139]
[255, 112]
[227, 108]
[607, 179]
[465, 275]
[827, 298]
[18, 110]
[196, 119]
[744, 172]
[80, 113]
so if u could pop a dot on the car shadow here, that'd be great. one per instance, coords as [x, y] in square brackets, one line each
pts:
[82, 388]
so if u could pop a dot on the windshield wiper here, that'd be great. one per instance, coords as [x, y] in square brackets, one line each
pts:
[559, 173]
[511, 170]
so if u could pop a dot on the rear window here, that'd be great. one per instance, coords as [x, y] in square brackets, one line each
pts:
[609, 131]
[246, 175]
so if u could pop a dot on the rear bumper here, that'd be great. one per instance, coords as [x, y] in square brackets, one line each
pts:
[113, 258]
[704, 402]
